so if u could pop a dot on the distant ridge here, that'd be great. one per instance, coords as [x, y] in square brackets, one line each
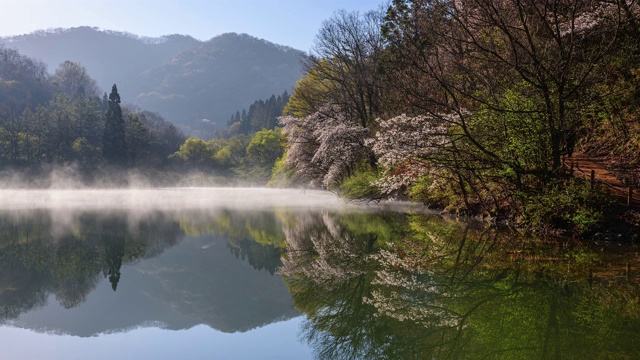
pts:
[195, 84]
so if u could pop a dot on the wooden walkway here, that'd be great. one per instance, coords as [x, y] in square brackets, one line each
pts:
[583, 167]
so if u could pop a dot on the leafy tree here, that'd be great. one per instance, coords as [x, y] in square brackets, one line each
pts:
[265, 147]
[196, 152]
[62, 129]
[138, 139]
[161, 140]
[233, 152]
[23, 85]
[309, 93]
[347, 52]
[73, 80]
[114, 145]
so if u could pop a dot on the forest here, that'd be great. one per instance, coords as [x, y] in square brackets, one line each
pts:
[474, 107]
[470, 106]
[48, 122]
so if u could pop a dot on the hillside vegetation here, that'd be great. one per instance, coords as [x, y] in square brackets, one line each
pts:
[469, 106]
[194, 84]
[472, 106]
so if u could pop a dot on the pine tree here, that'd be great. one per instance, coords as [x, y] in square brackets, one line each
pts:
[114, 145]
[105, 103]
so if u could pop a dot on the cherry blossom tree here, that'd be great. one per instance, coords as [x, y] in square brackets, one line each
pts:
[405, 146]
[325, 147]
[461, 57]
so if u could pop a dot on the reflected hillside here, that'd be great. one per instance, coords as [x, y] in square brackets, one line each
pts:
[447, 290]
[372, 285]
[86, 272]
[256, 235]
[67, 254]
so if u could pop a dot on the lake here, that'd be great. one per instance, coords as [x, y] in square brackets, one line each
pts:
[244, 273]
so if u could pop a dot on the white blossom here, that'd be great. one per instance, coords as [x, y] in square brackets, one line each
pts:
[324, 146]
[404, 145]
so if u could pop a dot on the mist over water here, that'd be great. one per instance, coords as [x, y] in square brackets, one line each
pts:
[167, 199]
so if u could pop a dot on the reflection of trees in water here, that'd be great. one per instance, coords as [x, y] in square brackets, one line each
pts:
[112, 235]
[253, 235]
[328, 271]
[449, 291]
[76, 270]
[40, 254]
[260, 257]
[67, 255]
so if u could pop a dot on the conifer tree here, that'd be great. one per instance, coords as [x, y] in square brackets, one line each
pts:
[114, 146]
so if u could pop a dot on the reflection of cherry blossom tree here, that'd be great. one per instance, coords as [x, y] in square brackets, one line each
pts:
[326, 267]
[450, 290]
[319, 247]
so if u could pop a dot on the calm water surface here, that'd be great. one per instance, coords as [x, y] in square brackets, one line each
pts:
[275, 274]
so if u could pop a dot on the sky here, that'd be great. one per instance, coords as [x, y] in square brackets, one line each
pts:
[286, 22]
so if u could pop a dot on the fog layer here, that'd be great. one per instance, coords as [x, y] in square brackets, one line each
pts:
[168, 199]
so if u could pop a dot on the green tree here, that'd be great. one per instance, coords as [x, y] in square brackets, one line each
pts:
[195, 152]
[265, 147]
[138, 139]
[114, 145]
[73, 80]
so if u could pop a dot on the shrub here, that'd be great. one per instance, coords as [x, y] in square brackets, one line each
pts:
[281, 175]
[429, 192]
[360, 186]
[570, 205]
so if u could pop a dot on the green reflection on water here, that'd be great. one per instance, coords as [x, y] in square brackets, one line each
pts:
[443, 289]
[373, 285]
[67, 254]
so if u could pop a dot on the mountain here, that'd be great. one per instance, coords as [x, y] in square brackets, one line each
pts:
[109, 57]
[203, 86]
[195, 85]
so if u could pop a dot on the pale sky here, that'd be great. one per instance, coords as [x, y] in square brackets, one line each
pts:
[287, 22]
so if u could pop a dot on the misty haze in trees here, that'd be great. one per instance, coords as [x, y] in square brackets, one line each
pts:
[194, 84]
[60, 119]
[262, 115]
[73, 80]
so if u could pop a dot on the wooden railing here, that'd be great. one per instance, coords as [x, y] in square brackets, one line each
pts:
[620, 188]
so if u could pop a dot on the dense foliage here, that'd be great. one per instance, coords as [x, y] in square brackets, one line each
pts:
[61, 120]
[262, 114]
[246, 158]
[470, 105]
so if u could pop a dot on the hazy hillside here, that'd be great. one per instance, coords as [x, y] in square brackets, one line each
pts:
[109, 57]
[183, 79]
[202, 87]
